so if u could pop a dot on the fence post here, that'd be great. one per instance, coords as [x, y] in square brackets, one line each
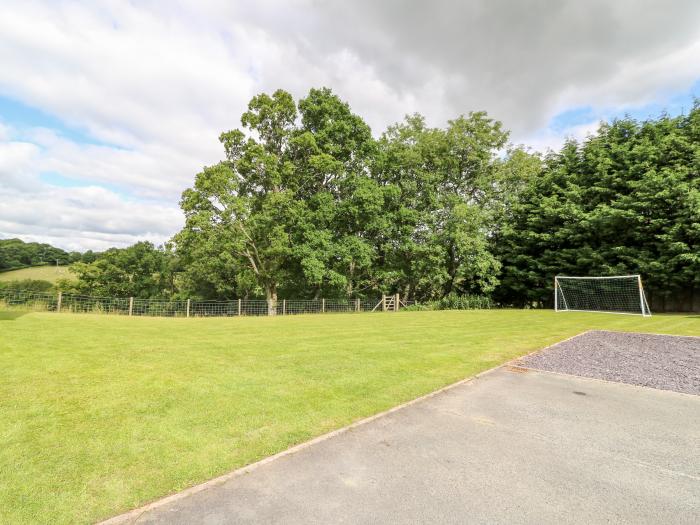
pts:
[188, 307]
[58, 302]
[383, 302]
[357, 304]
[323, 306]
[396, 303]
[131, 305]
[284, 306]
[239, 307]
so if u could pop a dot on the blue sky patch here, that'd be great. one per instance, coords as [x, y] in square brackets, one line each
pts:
[21, 116]
[675, 104]
[572, 117]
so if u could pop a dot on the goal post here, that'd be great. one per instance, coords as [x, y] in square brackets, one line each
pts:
[617, 294]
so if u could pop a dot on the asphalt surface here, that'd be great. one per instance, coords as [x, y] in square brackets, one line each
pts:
[658, 361]
[512, 446]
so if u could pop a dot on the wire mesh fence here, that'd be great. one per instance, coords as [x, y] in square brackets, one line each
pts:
[38, 301]
[73, 303]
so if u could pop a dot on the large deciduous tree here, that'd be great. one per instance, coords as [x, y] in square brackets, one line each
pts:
[244, 207]
[275, 208]
[438, 185]
[309, 204]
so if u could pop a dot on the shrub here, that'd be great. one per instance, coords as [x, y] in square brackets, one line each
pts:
[27, 285]
[455, 302]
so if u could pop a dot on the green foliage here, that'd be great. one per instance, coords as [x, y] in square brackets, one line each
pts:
[438, 186]
[141, 270]
[455, 301]
[28, 285]
[462, 302]
[308, 204]
[15, 253]
[626, 200]
[287, 208]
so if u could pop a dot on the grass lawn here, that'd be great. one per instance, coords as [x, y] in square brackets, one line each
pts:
[42, 273]
[99, 414]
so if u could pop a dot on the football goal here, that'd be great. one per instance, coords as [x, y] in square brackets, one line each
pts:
[619, 294]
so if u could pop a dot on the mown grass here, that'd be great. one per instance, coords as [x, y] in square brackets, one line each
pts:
[99, 414]
[39, 273]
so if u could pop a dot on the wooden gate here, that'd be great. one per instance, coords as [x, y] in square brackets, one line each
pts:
[389, 303]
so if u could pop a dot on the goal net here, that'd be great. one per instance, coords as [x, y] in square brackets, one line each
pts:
[620, 294]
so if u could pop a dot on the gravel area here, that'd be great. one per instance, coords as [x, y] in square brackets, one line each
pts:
[657, 361]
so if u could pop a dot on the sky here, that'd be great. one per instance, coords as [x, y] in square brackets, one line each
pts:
[109, 109]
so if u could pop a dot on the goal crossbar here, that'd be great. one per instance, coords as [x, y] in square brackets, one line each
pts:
[597, 277]
[617, 294]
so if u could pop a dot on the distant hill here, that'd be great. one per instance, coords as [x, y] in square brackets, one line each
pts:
[15, 253]
[40, 273]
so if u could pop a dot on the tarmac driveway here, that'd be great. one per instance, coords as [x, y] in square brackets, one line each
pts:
[511, 446]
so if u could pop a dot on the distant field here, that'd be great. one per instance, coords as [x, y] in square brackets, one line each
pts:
[99, 414]
[42, 273]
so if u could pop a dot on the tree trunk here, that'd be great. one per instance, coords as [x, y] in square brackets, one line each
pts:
[271, 294]
[451, 270]
[351, 273]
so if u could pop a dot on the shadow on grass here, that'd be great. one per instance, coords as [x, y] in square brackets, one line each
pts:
[11, 315]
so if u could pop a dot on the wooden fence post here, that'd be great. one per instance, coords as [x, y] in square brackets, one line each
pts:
[284, 307]
[383, 302]
[239, 307]
[357, 304]
[58, 302]
[323, 306]
[131, 305]
[188, 307]
[396, 303]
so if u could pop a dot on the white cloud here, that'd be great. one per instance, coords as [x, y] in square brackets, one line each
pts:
[140, 171]
[84, 218]
[521, 61]
[16, 164]
[638, 82]
[155, 83]
[80, 217]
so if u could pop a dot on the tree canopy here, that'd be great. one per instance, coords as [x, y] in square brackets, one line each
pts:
[307, 203]
[15, 253]
[624, 201]
[141, 270]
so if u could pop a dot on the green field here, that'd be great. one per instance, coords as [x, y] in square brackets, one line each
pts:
[99, 414]
[40, 273]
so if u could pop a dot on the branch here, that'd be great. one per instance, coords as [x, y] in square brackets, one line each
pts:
[252, 262]
[252, 243]
[251, 258]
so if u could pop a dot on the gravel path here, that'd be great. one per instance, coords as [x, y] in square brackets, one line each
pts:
[658, 361]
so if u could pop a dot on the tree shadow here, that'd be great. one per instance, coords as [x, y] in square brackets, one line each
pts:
[11, 315]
